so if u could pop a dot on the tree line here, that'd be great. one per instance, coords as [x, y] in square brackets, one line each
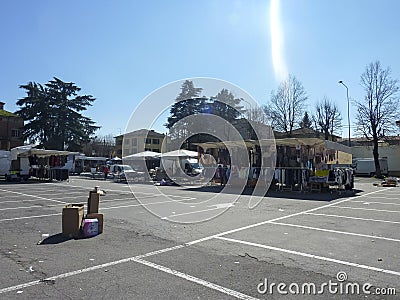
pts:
[53, 112]
[286, 110]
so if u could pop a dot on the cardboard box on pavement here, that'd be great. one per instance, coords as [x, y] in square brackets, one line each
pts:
[90, 227]
[100, 219]
[72, 216]
[93, 202]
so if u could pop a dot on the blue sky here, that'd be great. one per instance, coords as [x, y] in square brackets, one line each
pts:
[121, 51]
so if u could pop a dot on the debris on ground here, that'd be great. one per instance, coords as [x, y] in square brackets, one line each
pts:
[388, 182]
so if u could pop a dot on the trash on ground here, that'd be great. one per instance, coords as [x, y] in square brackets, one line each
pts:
[76, 225]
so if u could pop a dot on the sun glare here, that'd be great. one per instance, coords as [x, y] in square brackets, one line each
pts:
[278, 60]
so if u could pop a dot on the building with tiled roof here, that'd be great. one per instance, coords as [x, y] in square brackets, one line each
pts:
[11, 127]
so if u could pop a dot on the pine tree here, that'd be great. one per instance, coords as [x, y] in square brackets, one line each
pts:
[306, 122]
[226, 105]
[53, 113]
[186, 104]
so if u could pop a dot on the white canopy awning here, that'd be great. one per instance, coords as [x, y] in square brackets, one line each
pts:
[180, 153]
[37, 152]
[144, 154]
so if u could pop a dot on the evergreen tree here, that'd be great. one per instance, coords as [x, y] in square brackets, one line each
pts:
[53, 113]
[226, 105]
[306, 122]
[186, 104]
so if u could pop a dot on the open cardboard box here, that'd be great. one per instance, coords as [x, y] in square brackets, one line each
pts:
[72, 216]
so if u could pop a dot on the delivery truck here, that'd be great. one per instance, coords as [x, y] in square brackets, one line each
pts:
[5, 163]
[12, 168]
[366, 166]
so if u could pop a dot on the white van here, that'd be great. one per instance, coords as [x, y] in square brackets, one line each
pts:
[176, 165]
[5, 163]
[366, 166]
[13, 169]
[123, 173]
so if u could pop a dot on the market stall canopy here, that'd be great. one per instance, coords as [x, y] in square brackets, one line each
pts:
[36, 152]
[144, 154]
[179, 153]
[93, 158]
[312, 142]
[115, 158]
[216, 145]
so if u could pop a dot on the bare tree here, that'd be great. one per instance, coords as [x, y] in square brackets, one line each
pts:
[328, 118]
[256, 114]
[287, 105]
[100, 146]
[378, 112]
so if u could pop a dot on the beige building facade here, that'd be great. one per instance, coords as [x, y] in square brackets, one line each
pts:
[138, 141]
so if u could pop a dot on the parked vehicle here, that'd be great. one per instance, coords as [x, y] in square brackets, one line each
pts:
[5, 163]
[124, 173]
[190, 166]
[13, 167]
[366, 166]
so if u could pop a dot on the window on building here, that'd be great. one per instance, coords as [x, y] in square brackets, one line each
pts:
[15, 133]
[147, 149]
[126, 141]
[134, 142]
[119, 142]
[147, 141]
[156, 141]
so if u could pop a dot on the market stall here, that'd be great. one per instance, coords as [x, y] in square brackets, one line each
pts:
[301, 164]
[44, 164]
[312, 164]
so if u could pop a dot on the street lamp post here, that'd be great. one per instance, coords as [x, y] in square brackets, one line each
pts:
[348, 108]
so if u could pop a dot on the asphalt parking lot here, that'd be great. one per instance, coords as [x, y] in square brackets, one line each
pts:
[150, 249]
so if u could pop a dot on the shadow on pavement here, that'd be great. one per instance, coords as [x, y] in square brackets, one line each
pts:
[295, 195]
[55, 239]
[60, 238]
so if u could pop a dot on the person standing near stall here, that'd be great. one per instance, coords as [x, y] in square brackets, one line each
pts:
[106, 171]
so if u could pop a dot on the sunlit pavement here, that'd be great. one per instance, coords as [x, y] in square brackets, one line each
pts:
[288, 238]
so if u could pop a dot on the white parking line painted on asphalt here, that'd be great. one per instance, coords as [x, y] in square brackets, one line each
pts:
[28, 207]
[371, 209]
[197, 280]
[9, 196]
[97, 267]
[342, 262]
[134, 205]
[29, 217]
[277, 219]
[354, 218]
[137, 259]
[118, 199]
[380, 197]
[16, 201]
[192, 212]
[375, 202]
[45, 193]
[33, 196]
[219, 235]
[337, 231]
[49, 215]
